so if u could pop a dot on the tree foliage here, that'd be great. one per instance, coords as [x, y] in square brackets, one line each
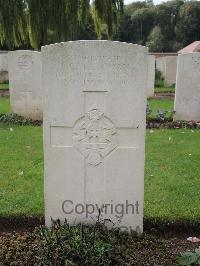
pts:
[156, 40]
[40, 22]
[12, 23]
[166, 27]
[188, 26]
[106, 11]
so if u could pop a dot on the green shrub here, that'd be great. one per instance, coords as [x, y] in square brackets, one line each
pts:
[190, 258]
[16, 119]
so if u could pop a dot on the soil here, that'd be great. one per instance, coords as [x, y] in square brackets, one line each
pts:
[4, 93]
[161, 244]
[164, 95]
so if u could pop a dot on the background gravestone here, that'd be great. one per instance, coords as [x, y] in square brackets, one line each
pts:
[170, 70]
[187, 98]
[167, 65]
[160, 64]
[3, 67]
[25, 77]
[94, 131]
[151, 75]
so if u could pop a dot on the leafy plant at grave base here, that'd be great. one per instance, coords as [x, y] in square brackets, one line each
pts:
[190, 258]
[81, 244]
[165, 115]
[18, 120]
[153, 122]
[162, 115]
[162, 120]
[148, 109]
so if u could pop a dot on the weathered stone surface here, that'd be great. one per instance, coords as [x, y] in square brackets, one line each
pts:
[160, 64]
[167, 65]
[94, 132]
[187, 98]
[25, 82]
[170, 70]
[151, 75]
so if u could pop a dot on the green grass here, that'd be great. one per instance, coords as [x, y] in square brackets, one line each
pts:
[21, 170]
[171, 173]
[162, 104]
[155, 104]
[164, 90]
[4, 105]
[160, 86]
[4, 86]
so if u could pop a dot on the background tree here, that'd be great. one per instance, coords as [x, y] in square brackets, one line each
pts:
[188, 25]
[13, 31]
[40, 22]
[106, 11]
[167, 27]
[156, 40]
[143, 21]
[32, 23]
[166, 17]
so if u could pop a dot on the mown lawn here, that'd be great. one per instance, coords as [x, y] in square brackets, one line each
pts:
[172, 173]
[21, 170]
[162, 105]
[164, 89]
[155, 104]
[4, 86]
[4, 105]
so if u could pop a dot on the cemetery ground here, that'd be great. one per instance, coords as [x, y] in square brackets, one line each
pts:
[172, 202]
[4, 86]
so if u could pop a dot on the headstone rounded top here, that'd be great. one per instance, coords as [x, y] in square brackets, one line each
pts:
[24, 52]
[105, 43]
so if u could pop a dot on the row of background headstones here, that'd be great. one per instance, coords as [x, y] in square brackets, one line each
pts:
[184, 71]
[26, 90]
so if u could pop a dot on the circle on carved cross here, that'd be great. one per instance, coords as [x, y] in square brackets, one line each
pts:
[94, 136]
[25, 62]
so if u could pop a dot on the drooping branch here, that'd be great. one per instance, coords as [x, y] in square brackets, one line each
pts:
[12, 23]
[106, 11]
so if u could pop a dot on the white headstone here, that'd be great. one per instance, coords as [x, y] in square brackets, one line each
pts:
[25, 78]
[160, 64]
[187, 98]
[170, 70]
[151, 76]
[167, 65]
[94, 132]
[3, 61]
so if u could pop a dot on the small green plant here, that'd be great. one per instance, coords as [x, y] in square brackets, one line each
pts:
[190, 258]
[81, 244]
[148, 110]
[18, 120]
[165, 115]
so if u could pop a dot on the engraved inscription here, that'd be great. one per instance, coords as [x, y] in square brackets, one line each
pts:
[25, 62]
[196, 60]
[94, 136]
[85, 70]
